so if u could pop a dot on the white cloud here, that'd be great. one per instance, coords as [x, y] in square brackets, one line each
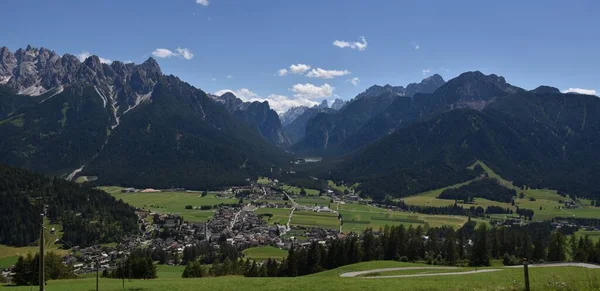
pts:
[354, 81]
[282, 72]
[341, 44]
[214, 79]
[84, 55]
[185, 53]
[164, 53]
[244, 94]
[310, 91]
[417, 47]
[358, 45]
[326, 74]
[203, 2]
[294, 69]
[581, 91]
[426, 72]
[229, 76]
[279, 103]
[299, 68]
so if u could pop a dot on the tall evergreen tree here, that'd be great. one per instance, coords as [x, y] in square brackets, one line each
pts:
[481, 253]
[557, 250]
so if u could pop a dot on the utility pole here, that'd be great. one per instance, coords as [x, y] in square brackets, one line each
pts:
[526, 270]
[42, 281]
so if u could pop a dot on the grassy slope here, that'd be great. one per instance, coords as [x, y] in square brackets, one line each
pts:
[357, 217]
[295, 190]
[171, 202]
[509, 279]
[265, 252]
[545, 198]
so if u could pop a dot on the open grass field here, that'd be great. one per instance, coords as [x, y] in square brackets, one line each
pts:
[555, 278]
[546, 205]
[358, 217]
[295, 190]
[313, 200]
[280, 215]
[341, 188]
[263, 181]
[171, 202]
[315, 219]
[594, 235]
[264, 253]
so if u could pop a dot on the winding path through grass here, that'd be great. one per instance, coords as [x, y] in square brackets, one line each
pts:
[366, 272]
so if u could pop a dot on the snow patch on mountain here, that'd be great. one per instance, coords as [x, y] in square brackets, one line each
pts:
[57, 91]
[33, 90]
[4, 79]
[139, 99]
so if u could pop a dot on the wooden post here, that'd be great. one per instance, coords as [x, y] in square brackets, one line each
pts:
[42, 281]
[526, 270]
[97, 272]
[123, 271]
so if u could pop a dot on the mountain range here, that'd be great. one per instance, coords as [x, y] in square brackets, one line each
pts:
[132, 125]
[121, 123]
[326, 131]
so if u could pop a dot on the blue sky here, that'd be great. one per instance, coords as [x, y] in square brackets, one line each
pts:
[241, 45]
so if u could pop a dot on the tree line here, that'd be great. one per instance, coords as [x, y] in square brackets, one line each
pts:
[467, 246]
[487, 188]
[455, 209]
[27, 269]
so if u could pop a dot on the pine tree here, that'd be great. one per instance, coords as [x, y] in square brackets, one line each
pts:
[557, 250]
[450, 249]
[481, 254]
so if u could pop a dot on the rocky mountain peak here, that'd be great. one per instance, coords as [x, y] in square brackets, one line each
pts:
[151, 66]
[323, 104]
[545, 90]
[338, 104]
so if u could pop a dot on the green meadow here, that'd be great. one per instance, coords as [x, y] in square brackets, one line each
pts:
[357, 217]
[280, 215]
[546, 203]
[264, 253]
[551, 278]
[171, 202]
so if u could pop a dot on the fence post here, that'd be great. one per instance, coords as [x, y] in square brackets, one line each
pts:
[526, 270]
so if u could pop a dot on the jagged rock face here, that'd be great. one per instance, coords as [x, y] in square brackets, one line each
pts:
[323, 104]
[124, 123]
[291, 115]
[377, 90]
[35, 72]
[338, 104]
[472, 90]
[427, 85]
[257, 115]
[325, 133]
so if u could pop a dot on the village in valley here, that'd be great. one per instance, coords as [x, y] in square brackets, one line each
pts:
[244, 224]
[264, 214]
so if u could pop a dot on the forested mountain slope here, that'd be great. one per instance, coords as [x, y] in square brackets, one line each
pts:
[539, 140]
[88, 216]
[126, 124]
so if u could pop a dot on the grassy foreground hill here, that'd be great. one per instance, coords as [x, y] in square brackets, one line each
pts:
[551, 278]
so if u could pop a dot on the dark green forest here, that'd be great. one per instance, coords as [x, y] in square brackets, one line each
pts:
[88, 216]
[484, 188]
